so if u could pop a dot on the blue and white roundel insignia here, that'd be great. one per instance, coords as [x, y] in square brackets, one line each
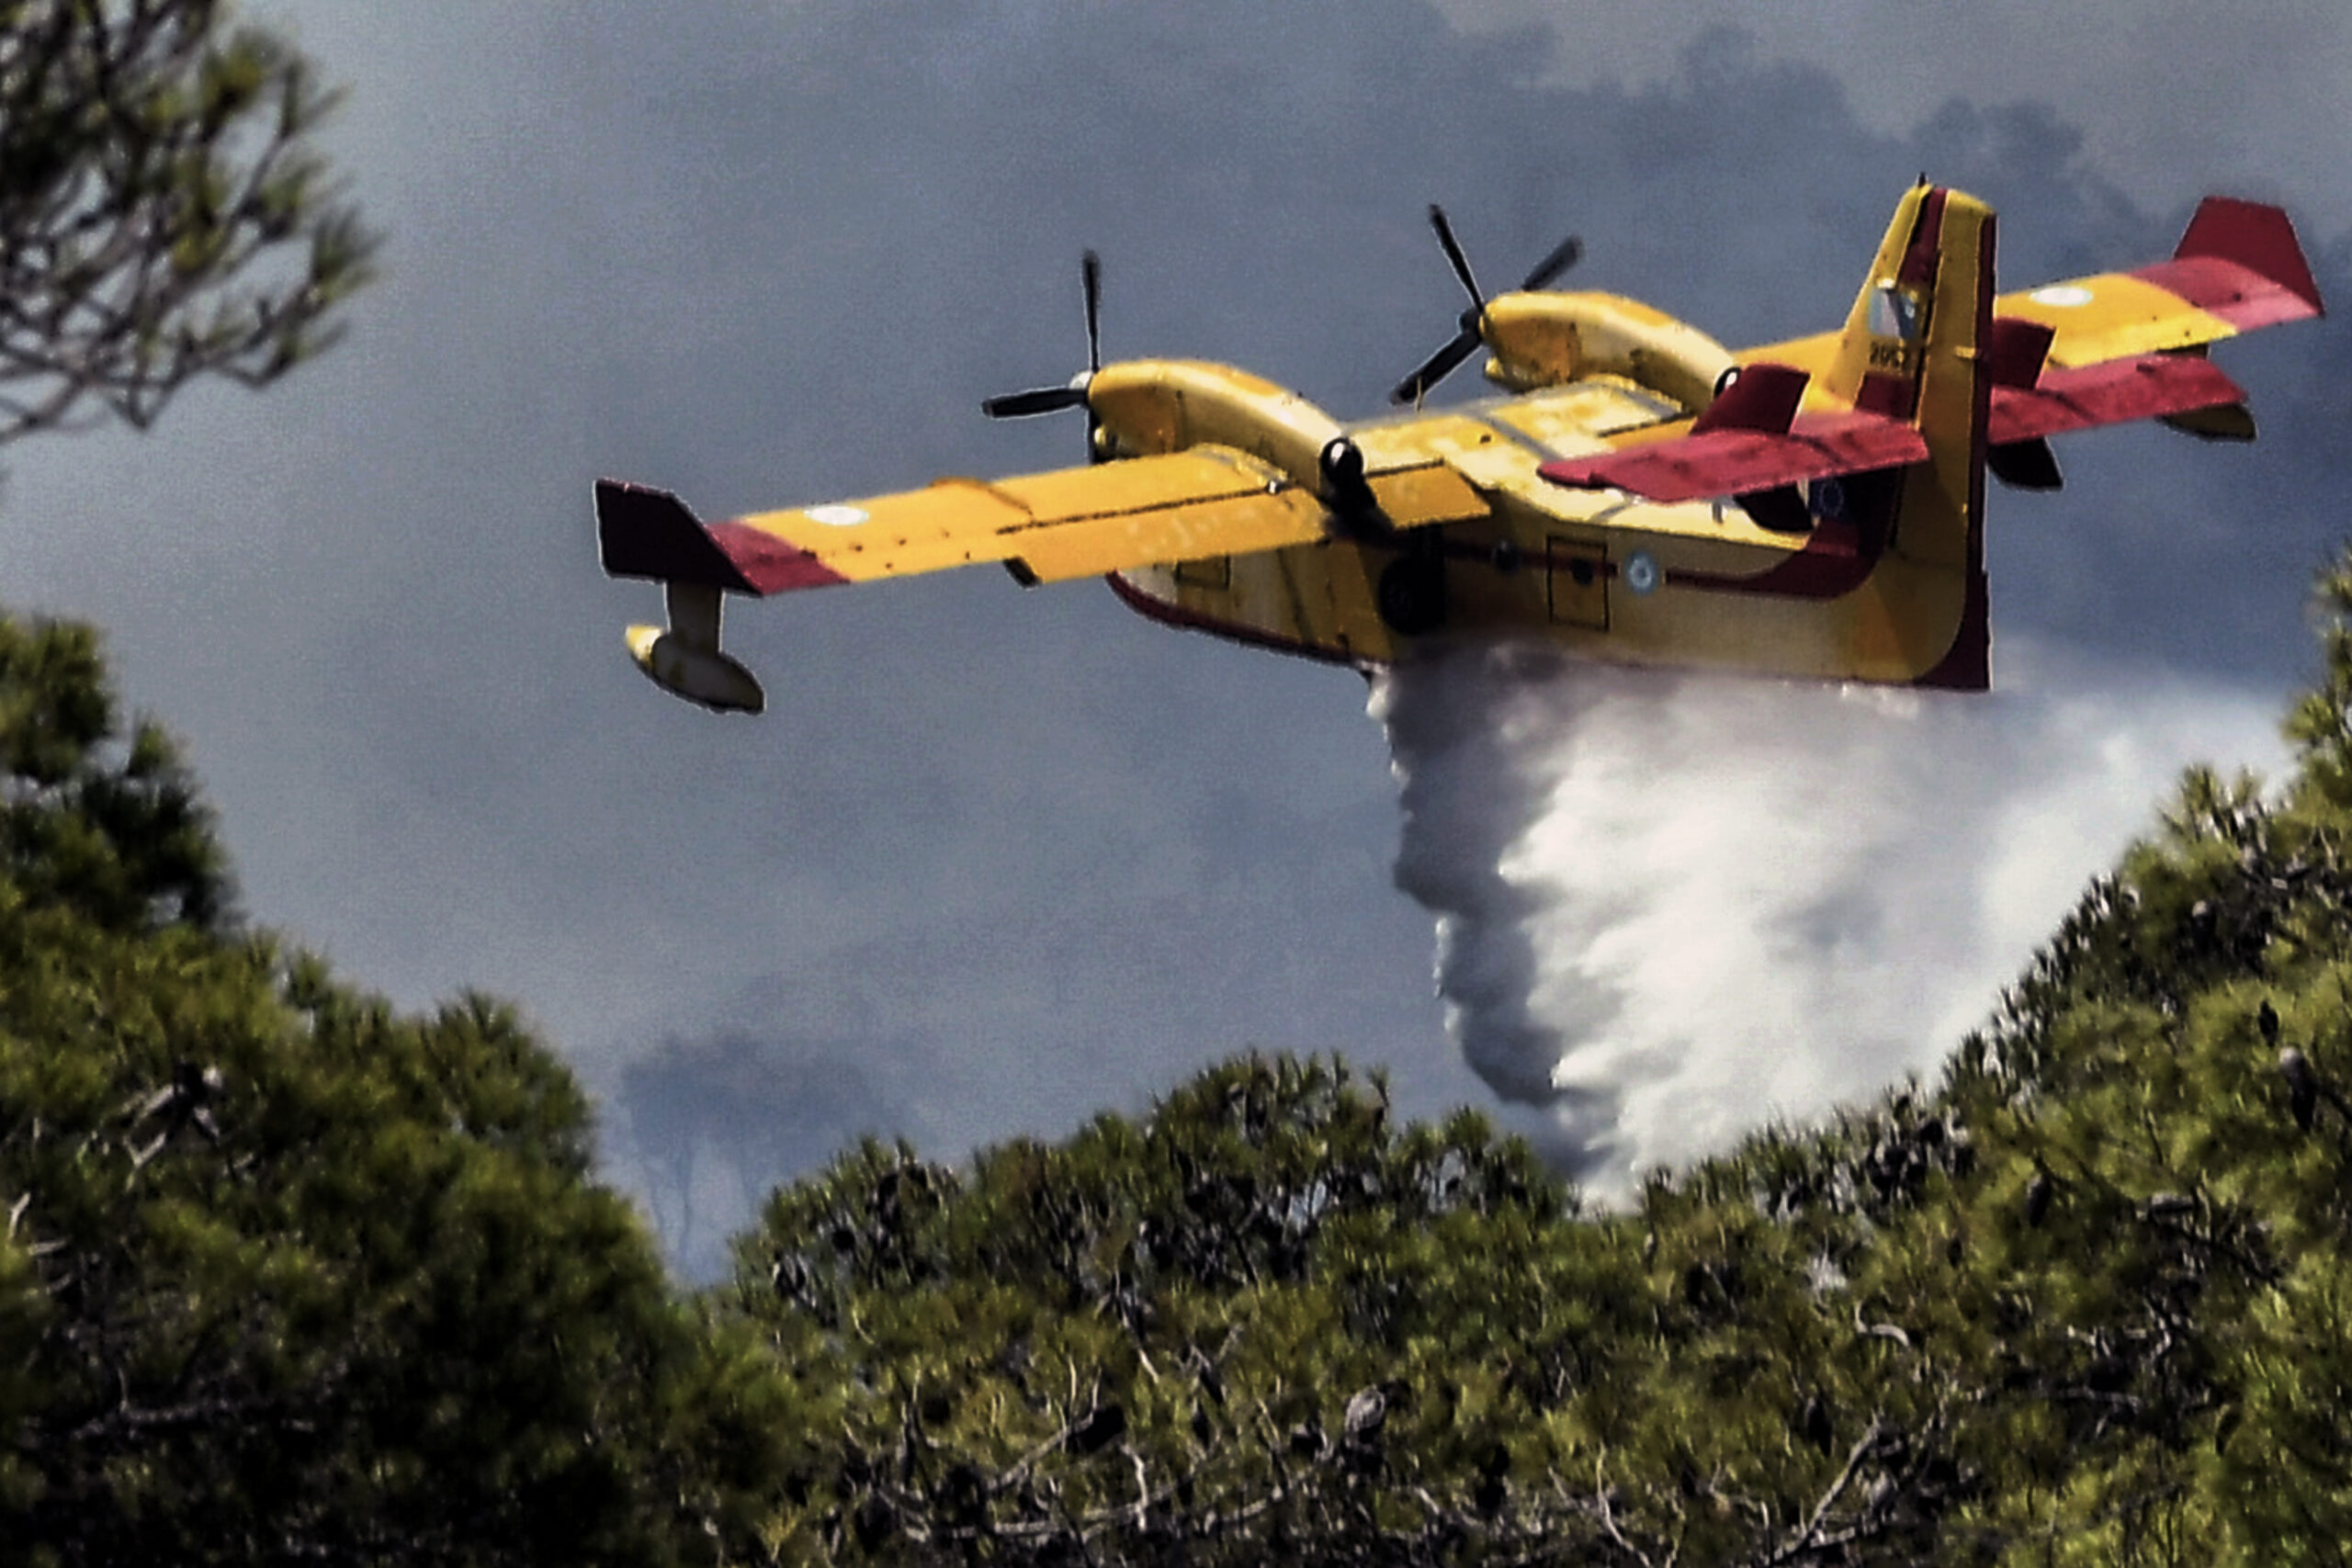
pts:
[834, 516]
[1639, 572]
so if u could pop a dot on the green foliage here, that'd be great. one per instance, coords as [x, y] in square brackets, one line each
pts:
[286, 1275]
[162, 215]
[105, 822]
[1255, 1317]
[2089, 1301]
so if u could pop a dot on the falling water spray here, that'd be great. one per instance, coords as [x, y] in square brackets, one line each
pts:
[1672, 909]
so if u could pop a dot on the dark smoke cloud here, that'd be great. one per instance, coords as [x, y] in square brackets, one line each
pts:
[769, 254]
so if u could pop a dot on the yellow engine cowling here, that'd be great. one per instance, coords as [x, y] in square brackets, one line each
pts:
[1545, 340]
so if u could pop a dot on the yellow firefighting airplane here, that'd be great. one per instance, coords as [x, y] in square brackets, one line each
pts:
[1642, 495]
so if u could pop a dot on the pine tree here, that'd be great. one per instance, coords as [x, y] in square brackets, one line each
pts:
[286, 1275]
[2087, 1300]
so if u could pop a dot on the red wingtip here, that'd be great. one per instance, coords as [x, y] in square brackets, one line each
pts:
[643, 532]
[2259, 238]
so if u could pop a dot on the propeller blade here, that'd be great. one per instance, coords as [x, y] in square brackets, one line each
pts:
[1437, 367]
[1090, 270]
[1564, 256]
[1453, 253]
[1044, 399]
[1442, 364]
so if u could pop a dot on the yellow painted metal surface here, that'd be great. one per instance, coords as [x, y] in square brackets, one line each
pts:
[1067, 521]
[1547, 339]
[2112, 315]
[1226, 525]
[1557, 562]
[1427, 492]
[2095, 319]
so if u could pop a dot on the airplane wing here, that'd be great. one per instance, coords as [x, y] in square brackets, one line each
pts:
[1047, 527]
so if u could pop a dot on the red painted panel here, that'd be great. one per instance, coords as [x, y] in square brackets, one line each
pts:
[2141, 387]
[1886, 394]
[2236, 293]
[1176, 615]
[2018, 350]
[767, 563]
[1729, 462]
[1926, 242]
[643, 532]
[1761, 396]
[2259, 238]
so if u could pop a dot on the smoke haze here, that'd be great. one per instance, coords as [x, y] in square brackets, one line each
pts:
[1671, 908]
[1020, 856]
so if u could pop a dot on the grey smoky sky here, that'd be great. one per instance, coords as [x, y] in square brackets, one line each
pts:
[1019, 856]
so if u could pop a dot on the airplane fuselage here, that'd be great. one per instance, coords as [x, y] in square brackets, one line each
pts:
[1883, 584]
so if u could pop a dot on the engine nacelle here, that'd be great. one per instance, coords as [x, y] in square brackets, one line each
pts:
[1547, 340]
[684, 658]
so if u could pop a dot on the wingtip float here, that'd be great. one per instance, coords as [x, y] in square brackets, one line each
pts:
[1634, 492]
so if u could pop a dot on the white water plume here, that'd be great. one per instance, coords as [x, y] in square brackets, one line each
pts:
[1672, 909]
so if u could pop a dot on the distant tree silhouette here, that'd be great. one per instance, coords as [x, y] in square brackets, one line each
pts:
[743, 1112]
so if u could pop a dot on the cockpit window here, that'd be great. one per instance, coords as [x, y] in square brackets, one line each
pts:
[1894, 312]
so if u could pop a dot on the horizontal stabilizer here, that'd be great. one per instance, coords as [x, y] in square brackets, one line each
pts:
[1740, 461]
[2018, 350]
[2222, 421]
[2147, 386]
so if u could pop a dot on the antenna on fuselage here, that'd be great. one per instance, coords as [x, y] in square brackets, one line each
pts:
[1071, 394]
[1472, 321]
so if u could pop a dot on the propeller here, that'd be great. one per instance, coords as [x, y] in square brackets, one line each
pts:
[1072, 394]
[1465, 341]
